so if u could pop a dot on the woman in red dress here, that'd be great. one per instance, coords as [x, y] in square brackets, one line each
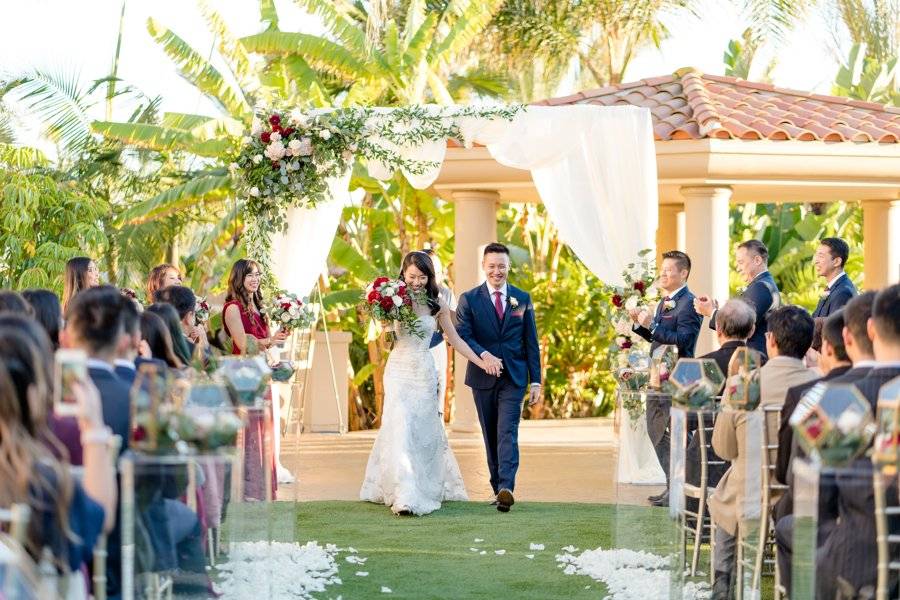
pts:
[243, 320]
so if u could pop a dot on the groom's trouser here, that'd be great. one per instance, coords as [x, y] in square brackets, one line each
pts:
[499, 410]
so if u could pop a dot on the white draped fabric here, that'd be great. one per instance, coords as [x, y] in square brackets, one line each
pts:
[594, 168]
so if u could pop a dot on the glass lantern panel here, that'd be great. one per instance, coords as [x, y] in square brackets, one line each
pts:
[886, 450]
[742, 391]
[838, 427]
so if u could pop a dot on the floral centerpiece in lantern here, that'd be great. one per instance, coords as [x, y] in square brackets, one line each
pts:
[696, 382]
[201, 311]
[742, 390]
[662, 363]
[834, 423]
[391, 301]
[886, 450]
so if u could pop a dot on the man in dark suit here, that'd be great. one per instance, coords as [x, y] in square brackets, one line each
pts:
[127, 361]
[830, 260]
[848, 558]
[497, 321]
[762, 293]
[734, 326]
[857, 347]
[674, 322]
[94, 324]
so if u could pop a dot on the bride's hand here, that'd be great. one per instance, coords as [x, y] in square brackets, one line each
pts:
[492, 365]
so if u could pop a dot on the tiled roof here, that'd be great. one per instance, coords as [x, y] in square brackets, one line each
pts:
[690, 105]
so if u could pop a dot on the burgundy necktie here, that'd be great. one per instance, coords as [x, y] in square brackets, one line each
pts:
[498, 306]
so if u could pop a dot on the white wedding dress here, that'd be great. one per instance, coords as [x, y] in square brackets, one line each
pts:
[411, 466]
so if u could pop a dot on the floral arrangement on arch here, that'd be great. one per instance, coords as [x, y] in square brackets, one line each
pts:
[289, 157]
[639, 292]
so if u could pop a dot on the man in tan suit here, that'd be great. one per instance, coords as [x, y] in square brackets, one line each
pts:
[788, 338]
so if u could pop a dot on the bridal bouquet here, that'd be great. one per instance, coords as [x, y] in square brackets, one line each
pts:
[390, 301]
[201, 311]
[290, 312]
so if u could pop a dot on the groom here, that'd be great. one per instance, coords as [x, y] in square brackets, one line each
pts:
[497, 320]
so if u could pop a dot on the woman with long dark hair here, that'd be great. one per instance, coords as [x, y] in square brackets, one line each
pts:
[243, 311]
[411, 467]
[47, 312]
[161, 276]
[155, 333]
[81, 273]
[169, 316]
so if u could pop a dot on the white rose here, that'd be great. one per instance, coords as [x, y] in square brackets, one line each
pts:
[257, 159]
[620, 340]
[275, 151]
[623, 327]
[204, 420]
[234, 165]
[294, 145]
[849, 421]
[256, 128]
[254, 191]
[387, 291]
[398, 301]
[298, 118]
[247, 139]
[305, 148]
[288, 152]
[285, 317]
[325, 134]
[631, 303]
[275, 137]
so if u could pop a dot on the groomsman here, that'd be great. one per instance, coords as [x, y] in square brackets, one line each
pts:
[762, 294]
[674, 322]
[830, 260]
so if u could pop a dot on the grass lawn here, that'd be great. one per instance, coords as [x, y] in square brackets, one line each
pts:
[430, 557]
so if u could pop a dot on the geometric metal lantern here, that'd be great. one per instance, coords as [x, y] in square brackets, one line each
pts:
[742, 386]
[696, 382]
[838, 427]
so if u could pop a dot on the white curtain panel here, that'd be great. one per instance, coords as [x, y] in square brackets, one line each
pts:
[594, 168]
[299, 254]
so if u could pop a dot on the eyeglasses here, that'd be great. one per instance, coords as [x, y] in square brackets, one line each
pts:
[255, 275]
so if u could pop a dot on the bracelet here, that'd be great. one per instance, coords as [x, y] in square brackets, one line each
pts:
[98, 436]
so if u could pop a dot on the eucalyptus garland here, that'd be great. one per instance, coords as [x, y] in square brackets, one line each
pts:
[289, 156]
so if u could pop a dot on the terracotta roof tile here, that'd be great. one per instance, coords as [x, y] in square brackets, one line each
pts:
[693, 105]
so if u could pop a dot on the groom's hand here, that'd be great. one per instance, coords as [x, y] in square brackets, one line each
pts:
[534, 396]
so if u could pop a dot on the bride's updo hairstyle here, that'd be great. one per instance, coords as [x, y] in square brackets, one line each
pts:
[423, 263]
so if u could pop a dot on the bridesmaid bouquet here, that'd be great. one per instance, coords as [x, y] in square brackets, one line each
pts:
[290, 312]
[201, 311]
[390, 301]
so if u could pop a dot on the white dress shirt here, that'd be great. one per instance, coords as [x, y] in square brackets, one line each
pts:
[503, 294]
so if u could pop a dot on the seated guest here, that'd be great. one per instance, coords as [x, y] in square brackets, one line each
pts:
[734, 325]
[184, 302]
[155, 335]
[128, 350]
[674, 322]
[735, 322]
[14, 302]
[847, 561]
[762, 293]
[830, 260]
[66, 516]
[47, 312]
[81, 273]
[170, 317]
[857, 342]
[789, 335]
[162, 276]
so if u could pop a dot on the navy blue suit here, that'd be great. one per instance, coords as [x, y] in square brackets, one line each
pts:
[498, 400]
[763, 295]
[128, 374]
[114, 398]
[838, 295]
[679, 326]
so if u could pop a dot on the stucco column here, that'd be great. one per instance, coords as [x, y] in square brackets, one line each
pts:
[881, 243]
[475, 227]
[707, 243]
[670, 232]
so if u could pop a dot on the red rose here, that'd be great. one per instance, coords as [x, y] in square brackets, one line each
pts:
[287, 132]
[285, 306]
[663, 377]
[617, 301]
[265, 137]
[640, 286]
[373, 297]
[387, 304]
[275, 165]
[274, 120]
[139, 434]
[626, 344]
[401, 291]
[380, 281]
[407, 300]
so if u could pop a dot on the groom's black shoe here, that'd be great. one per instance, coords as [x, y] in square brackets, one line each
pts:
[658, 497]
[505, 500]
[664, 501]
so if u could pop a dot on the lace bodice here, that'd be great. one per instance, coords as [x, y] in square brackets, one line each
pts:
[408, 341]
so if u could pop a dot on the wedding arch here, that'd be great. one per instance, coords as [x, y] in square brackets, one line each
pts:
[594, 169]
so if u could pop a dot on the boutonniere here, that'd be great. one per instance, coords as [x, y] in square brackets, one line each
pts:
[826, 292]
[513, 302]
[668, 305]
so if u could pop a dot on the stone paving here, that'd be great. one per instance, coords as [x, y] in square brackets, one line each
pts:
[560, 461]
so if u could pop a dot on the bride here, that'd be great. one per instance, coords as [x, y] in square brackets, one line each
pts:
[411, 467]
